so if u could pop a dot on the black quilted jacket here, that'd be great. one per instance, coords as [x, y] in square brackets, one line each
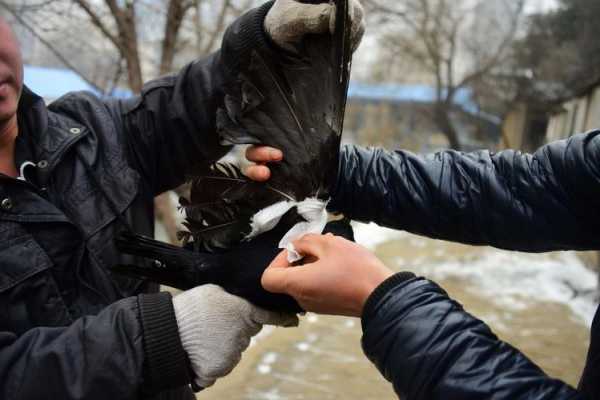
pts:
[420, 339]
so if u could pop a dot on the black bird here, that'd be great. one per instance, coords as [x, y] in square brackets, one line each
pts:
[291, 101]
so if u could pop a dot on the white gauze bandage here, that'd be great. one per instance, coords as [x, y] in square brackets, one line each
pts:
[313, 210]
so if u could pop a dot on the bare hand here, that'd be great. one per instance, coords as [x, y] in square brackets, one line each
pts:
[338, 279]
[261, 155]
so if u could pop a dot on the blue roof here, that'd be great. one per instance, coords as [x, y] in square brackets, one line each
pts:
[401, 93]
[52, 83]
[413, 93]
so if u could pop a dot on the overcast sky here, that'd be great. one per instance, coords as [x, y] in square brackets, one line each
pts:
[364, 57]
[540, 5]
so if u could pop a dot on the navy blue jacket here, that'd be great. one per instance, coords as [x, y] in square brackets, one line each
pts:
[419, 338]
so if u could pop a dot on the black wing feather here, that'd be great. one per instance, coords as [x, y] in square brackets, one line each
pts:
[295, 103]
[222, 203]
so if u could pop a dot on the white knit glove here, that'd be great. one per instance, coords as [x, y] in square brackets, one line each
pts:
[288, 21]
[216, 327]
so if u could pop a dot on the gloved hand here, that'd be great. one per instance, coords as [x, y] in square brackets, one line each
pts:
[216, 327]
[237, 270]
[289, 20]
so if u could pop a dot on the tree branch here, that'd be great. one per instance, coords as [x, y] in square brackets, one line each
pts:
[498, 53]
[95, 18]
[218, 27]
[49, 46]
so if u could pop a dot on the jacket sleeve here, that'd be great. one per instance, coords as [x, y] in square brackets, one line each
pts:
[540, 202]
[123, 351]
[170, 129]
[430, 348]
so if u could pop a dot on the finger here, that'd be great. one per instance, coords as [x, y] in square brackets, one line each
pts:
[275, 277]
[258, 173]
[276, 280]
[311, 245]
[263, 154]
[281, 261]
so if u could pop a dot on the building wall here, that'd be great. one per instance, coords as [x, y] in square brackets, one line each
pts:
[593, 117]
[577, 116]
[390, 125]
[514, 126]
[410, 125]
[524, 128]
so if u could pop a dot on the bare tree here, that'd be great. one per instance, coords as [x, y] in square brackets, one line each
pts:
[451, 43]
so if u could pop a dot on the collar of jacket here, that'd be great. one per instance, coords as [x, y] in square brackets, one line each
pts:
[50, 134]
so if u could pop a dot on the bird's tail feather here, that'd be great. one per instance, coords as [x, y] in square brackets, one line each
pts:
[142, 246]
[171, 265]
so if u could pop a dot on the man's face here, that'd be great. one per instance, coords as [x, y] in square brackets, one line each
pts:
[11, 72]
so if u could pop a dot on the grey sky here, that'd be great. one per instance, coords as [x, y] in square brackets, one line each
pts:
[540, 5]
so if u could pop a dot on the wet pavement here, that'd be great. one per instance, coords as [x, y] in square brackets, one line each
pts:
[528, 301]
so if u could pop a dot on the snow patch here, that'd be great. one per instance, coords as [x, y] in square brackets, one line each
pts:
[513, 279]
[312, 318]
[303, 346]
[264, 369]
[270, 358]
[350, 323]
[312, 337]
[265, 366]
[372, 235]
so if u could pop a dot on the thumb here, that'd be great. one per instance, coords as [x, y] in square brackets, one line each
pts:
[274, 279]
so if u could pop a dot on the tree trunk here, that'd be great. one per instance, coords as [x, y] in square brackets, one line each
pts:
[175, 14]
[128, 45]
[442, 120]
[134, 72]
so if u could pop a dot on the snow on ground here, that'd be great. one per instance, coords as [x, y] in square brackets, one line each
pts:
[372, 235]
[511, 279]
[267, 361]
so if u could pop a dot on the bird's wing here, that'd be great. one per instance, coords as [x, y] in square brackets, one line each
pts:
[293, 102]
